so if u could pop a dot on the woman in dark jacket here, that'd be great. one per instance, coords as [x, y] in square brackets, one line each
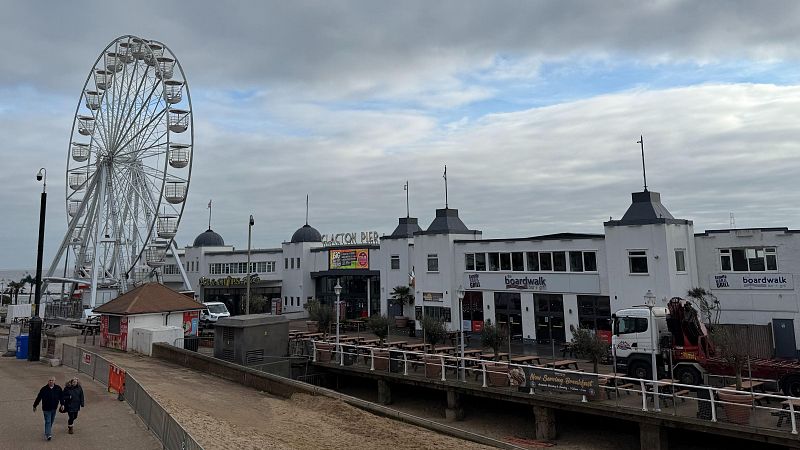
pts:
[72, 401]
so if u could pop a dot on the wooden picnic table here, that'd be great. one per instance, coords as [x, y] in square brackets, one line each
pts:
[471, 352]
[443, 349]
[398, 344]
[314, 335]
[366, 341]
[563, 364]
[491, 356]
[750, 384]
[525, 359]
[419, 346]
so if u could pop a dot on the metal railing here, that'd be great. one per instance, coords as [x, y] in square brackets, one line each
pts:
[163, 426]
[757, 410]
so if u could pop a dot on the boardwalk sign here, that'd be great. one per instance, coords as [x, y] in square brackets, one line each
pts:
[550, 380]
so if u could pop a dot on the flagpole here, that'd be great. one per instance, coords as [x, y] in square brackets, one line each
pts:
[408, 211]
[209, 214]
[445, 187]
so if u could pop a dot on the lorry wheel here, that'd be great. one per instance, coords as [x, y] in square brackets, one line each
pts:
[639, 369]
[687, 375]
[791, 386]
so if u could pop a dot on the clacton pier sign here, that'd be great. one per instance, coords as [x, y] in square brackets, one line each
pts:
[355, 238]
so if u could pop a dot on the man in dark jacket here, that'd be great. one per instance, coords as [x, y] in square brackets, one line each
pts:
[50, 396]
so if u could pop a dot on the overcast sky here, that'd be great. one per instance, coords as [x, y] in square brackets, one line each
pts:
[535, 107]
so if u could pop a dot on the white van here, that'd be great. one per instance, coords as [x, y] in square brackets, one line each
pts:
[213, 311]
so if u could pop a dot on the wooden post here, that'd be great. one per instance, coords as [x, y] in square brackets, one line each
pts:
[545, 422]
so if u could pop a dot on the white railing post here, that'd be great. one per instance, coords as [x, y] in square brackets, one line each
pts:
[405, 363]
[791, 414]
[483, 369]
[372, 358]
[441, 358]
[644, 395]
[713, 406]
[314, 349]
[341, 354]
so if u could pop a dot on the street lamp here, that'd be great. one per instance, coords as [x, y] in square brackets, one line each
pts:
[460, 293]
[35, 325]
[650, 301]
[338, 290]
[249, 236]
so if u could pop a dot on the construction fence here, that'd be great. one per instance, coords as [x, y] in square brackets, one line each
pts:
[165, 428]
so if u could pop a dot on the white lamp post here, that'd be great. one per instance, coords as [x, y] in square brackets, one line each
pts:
[650, 301]
[338, 290]
[461, 328]
[249, 235]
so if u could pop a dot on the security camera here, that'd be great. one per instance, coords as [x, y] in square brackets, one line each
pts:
[39, 176]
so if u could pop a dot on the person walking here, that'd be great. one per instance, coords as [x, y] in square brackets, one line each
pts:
[50, 396]
[72, 401]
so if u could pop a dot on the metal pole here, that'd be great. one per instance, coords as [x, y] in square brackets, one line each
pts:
[35, 325]
[338, 307]
[461, 328]
[653, 360]
[249, 236]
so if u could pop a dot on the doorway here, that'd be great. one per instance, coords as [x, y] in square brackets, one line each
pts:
[508, 312]
[549, 313]
[785, 345]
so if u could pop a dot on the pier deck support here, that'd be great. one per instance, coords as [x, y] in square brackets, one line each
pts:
[454, 410]
[384, 392]
[545, 420]
[652, 437]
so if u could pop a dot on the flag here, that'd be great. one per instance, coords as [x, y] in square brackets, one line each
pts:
[209, 204]
[411, 277]
[445, 172]
[405, 186]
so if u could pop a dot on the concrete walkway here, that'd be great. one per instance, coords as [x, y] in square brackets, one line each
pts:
[104, 423]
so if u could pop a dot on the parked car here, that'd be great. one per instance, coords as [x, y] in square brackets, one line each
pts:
[213, 311]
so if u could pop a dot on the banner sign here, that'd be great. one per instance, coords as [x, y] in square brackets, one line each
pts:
[228, 281]
[550, 380]
[579, 283]
[191, 321]
[752, 281]
[348, 259]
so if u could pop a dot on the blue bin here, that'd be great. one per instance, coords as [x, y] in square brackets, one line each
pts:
[22, 346]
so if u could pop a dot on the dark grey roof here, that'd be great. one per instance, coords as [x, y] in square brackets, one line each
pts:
[405, 228]
[763, 230]
[447, 222]
[544, 237]
[646, 209]
[306, 233]
[208, 238]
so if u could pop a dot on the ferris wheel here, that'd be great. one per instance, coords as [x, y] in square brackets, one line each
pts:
[129, 166]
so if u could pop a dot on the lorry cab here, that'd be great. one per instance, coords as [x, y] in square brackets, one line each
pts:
[637, 335]
[213, 312]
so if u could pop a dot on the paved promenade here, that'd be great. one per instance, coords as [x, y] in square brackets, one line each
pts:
[105, 423]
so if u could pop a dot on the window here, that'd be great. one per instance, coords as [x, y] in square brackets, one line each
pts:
[433, 262]
[469, 261]
[590, 261]
[113, 324]
[627, 325]
[494, 262]
[480, 261]
[395, 262]
[576, 261]
[680, 260]
[545, 261]
[505, 261]
[291, 264]
[285, 301]
[270, 266]
[285, 263]
[559, 261]
[298, 266]
[748, 259]
[517, 262]
[170, 269]
[637, 261]
[533, 261]
[438, 313]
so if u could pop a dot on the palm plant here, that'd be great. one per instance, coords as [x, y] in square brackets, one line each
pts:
[402, 295]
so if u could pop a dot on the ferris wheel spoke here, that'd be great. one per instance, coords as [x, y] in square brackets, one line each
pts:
[145, 106]
[134, 102]
[151, 121]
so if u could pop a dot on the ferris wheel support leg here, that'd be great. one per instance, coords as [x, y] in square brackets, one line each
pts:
[178, 262]
[95, 268]
[67, 237]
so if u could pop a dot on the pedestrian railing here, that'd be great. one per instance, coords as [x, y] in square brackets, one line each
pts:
[754, 409]
[165, 428]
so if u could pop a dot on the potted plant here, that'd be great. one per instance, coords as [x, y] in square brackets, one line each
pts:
[402, 295]
[588, 344]
[320, 316]
[495, 338]
[737, 406]
[434, 332]
[379, 325]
